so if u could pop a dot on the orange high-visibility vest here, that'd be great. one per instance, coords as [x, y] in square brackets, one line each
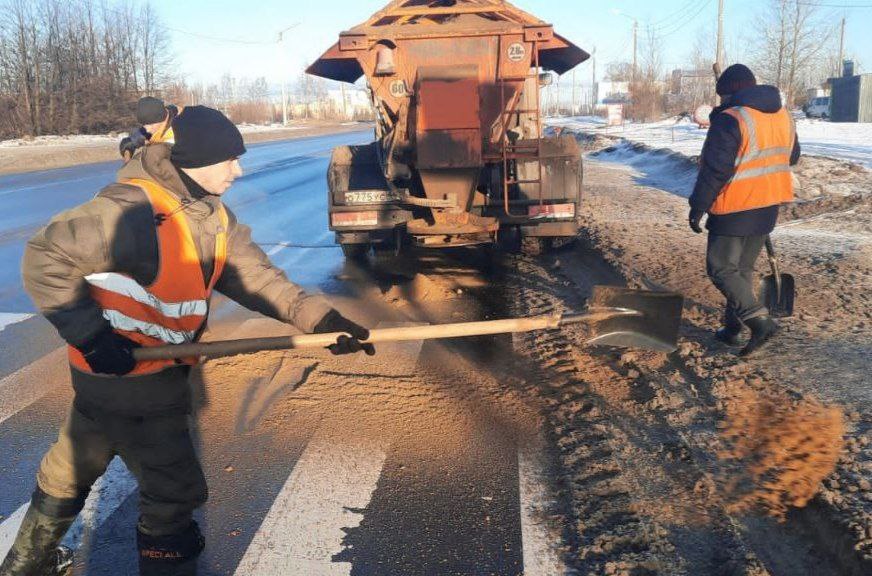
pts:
[171, 310]
[763, 176]
[166, 136]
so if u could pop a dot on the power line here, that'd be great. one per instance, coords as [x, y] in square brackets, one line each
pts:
[823, 5]
[679, 26]
[120, 12]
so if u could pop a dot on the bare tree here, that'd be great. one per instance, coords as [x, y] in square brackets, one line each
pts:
[793, 46]
[72, 67]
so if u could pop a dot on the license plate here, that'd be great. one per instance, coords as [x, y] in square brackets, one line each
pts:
[556, 211]
[367, 197]
[356, 219]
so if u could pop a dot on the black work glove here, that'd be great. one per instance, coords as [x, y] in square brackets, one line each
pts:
[694, 220]
[132, 142]
[110, 353]
[333, 321]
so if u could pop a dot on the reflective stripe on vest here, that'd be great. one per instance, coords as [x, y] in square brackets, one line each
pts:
[171, 310]
[763, 177]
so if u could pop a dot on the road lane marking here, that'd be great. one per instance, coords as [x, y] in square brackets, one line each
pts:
[304, 528]
[107, 495]
[9, 528]
[542, 556]
[27, 385]
[8, 319]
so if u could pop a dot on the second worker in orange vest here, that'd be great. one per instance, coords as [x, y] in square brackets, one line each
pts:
[744, 178]
[137, 266]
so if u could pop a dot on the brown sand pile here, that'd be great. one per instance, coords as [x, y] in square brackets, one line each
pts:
[777, 451]
[419, 289]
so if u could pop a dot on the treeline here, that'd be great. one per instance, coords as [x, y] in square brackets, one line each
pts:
[76, 66]
[793, 46]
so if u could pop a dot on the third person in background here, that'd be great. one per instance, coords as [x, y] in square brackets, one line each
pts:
[744, 177]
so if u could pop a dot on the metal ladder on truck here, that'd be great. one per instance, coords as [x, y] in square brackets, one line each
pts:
[514, 151]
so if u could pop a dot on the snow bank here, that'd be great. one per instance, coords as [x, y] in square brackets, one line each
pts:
[114, 137]
[844, 141]
[65, 141]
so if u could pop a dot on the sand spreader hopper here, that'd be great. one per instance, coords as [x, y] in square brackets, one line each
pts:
[460, 156]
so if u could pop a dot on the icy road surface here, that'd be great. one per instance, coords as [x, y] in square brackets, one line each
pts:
[416, 462]
[282, 196]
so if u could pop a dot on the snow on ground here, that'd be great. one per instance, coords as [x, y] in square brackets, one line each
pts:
[851, 142]
[66, 141]
[7, 319]
[114, 137]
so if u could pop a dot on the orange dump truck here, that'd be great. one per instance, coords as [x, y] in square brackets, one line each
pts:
[460, 157]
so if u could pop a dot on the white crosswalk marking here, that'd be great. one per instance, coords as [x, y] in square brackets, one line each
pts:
[541, 556]
[8, 530]
[108, 493]
[304, 528]
[24, 387]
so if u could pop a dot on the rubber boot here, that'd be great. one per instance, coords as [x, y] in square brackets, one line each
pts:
[171, 555]
[763, 328]
[35, 551]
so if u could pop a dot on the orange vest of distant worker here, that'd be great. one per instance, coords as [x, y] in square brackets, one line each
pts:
[174, 307]
[167, 136]
[763, 176]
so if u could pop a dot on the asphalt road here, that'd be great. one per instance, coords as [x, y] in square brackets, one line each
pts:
[419, 461]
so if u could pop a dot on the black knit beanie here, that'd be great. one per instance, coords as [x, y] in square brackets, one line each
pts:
[736, 77]
[150, 110]
[204, 136]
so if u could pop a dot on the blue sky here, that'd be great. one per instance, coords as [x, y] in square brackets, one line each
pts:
[256, 23]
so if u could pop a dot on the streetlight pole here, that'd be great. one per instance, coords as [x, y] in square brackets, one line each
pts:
[635, 39]
[283, 72]
[635, 46]
[719, 58]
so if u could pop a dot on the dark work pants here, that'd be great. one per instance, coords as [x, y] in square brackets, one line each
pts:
[157, 450]
[730, 264]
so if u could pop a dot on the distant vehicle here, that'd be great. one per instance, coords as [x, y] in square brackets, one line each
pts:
[818, 108]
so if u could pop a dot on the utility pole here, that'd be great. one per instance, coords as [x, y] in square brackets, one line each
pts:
[841, 62]
[635, 46]
[344, 104]
[573, 94]
[593, 83]
[283, 72]
[719, 58]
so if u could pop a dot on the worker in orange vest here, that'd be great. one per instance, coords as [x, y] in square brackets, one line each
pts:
[137, 266]
[744, 177]
[156, 126]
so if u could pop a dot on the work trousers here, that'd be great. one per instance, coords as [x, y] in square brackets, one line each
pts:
[157, 450]
[730, 264]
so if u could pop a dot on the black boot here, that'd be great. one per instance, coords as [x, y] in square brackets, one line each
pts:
[763, 328]
[171, 555]
[35, 551]
[729, 333]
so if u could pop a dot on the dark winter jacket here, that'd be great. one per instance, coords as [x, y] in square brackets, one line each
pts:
[718, 165]
[115, 232]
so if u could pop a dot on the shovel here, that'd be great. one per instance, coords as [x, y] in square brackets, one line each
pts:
[777, 291]
[616, 316]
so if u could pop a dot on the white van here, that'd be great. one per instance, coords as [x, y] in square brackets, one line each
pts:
[818, 108]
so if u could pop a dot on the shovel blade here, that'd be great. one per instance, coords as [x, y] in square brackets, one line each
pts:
[779, 303]
[654, 327]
